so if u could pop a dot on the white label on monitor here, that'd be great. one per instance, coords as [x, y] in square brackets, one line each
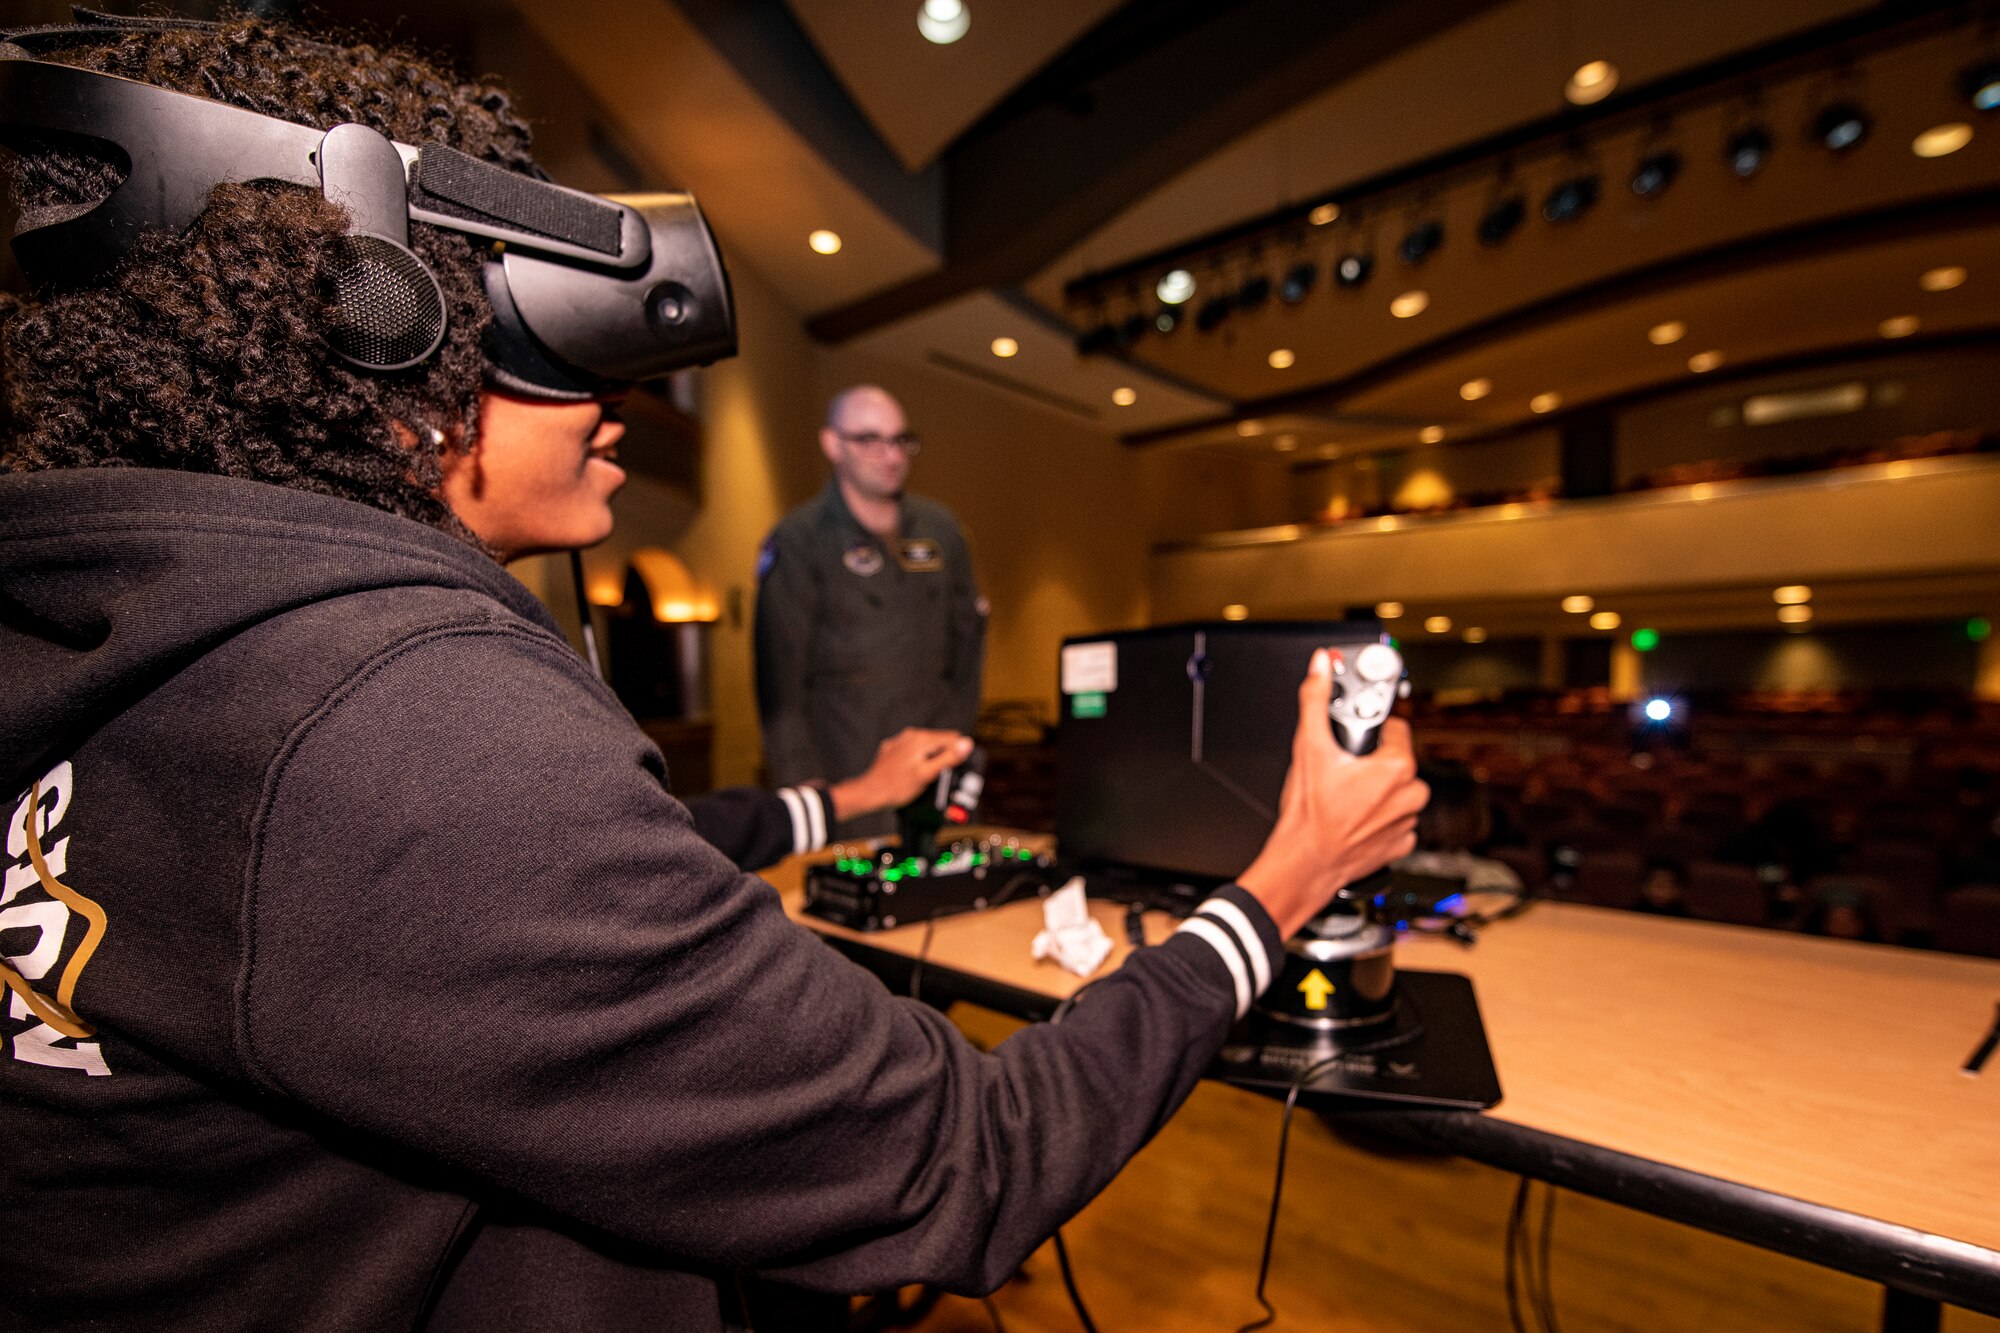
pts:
[1089, 668]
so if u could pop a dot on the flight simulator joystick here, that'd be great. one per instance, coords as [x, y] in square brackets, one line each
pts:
[1339, 973]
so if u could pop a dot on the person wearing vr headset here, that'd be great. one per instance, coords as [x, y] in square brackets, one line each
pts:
[361, 970]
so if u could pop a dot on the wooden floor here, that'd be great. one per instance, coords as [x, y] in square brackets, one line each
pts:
[1375, 1240]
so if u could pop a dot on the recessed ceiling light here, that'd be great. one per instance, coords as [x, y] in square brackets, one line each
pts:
[1703, 362]
[1437, 625]
[1942, 279]
[1176, 286]
[1124, 397]
[1248, 428]
[1324, 214]
[1578, 603]
[1795, 615]
[943, 21]
[1329, 451]
[1592, 82]
[1410, 304]
[1431, 434]
[1004, 347]
[1474, 390]
[1606, 620]
[1236, 611]
[824, 241]
[1792, 594]
[1672, 331]
[1902, 326]
[1475, 635]
[1942, 140]
[1388, 610]
[1284, 444]
[1281, 358]
[1545, 402]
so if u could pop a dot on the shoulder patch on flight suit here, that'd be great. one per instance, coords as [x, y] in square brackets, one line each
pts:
[919, 555]
[862, 558]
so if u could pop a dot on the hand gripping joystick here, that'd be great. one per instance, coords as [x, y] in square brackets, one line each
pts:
[1364, 690]
[1339, 974]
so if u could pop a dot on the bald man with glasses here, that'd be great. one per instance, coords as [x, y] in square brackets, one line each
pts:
[869, 620]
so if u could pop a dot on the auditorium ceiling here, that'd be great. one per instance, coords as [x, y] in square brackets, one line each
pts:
[1035, 179]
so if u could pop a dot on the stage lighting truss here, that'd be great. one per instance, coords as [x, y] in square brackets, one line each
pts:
[1979, 84]
[1747, 149]
[1570, 199]
[1421, 241]
[1299, 282]
[1655, 173]
[1501, 218]
[1353, 268]
[1840, 126]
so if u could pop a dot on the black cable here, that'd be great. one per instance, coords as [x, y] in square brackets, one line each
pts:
[1548, 1230]
[1514, 1218]
[1305, 1076]
[1069, 1285]
[917, 968]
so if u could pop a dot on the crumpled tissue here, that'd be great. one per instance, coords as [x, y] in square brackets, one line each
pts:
[1070, 934]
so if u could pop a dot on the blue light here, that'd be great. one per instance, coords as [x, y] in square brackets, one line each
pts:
[1659, 710]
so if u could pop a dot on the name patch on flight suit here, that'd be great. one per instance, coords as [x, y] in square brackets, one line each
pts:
[862, 558]
[919, 555]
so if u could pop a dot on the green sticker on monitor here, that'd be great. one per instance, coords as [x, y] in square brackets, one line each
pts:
[1086, 705]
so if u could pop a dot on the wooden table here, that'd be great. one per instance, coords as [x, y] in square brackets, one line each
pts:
[1797, 1093]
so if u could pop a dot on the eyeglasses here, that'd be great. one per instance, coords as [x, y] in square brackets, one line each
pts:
[907, 441]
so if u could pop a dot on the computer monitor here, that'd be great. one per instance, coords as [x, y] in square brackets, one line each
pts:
[1174, 741]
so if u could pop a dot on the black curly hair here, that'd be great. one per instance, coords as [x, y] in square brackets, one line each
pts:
[205, 351]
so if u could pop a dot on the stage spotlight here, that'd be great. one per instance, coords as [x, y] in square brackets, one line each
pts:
[1167, 319]
[1659, 710]
[1095, 339]
[1353, 269]
[1175, 287]
[1571, 199]
[1980, 84]
[1421, 242]
[1840, 126]
[1133, 329]
[1253, 293]
[1298, 283]
[1213, 311]
[1747, 150]
[1499, 221]
[1655, 172]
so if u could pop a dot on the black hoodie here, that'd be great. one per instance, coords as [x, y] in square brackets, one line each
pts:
[364, 975]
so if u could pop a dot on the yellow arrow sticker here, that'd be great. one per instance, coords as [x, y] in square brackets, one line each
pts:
[1316, 988]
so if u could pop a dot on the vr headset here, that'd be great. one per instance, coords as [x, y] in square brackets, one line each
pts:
[589, 292]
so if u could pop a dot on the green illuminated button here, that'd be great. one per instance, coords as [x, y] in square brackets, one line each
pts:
[1087, 705]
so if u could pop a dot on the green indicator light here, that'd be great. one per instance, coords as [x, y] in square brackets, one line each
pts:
[892, 874]
[1645, 640]
[1979, 629]
[1395, 643]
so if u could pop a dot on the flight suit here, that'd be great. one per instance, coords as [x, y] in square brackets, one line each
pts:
[857, 638]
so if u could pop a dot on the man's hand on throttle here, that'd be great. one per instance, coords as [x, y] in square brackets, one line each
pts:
[905, 764]
[1339, 817]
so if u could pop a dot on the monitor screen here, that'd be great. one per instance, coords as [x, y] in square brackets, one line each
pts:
[1174, 740]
